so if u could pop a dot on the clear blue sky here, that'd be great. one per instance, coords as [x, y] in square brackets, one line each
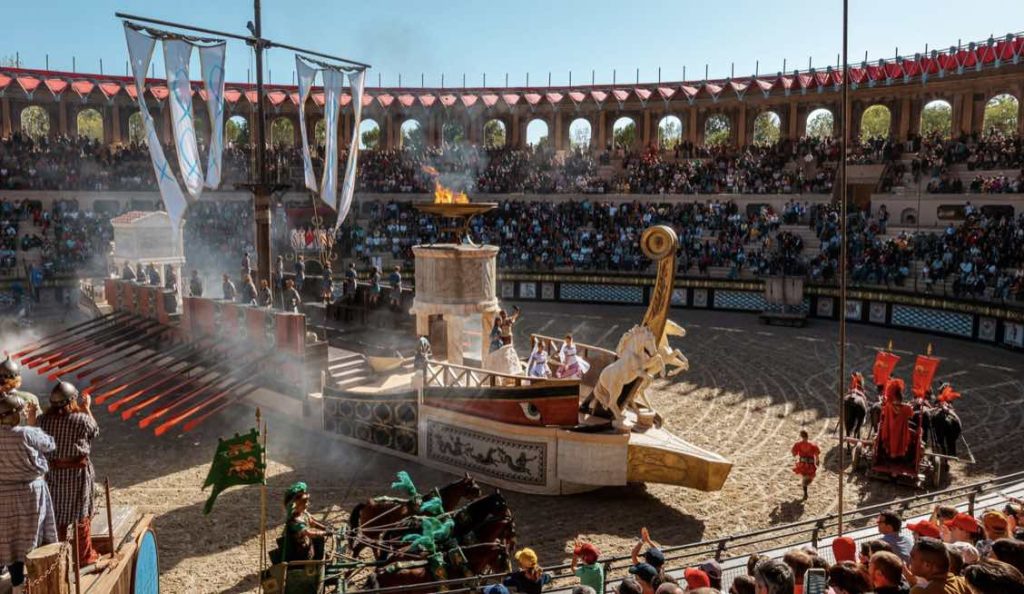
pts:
[536, 36]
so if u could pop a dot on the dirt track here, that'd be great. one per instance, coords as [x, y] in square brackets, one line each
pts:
[750, 390]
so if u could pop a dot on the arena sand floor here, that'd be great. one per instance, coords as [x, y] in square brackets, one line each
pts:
[749, 391]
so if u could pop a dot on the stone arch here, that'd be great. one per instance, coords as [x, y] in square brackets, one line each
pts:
[282, 132]
[538, 133]
[1001, 114]
[236, 130]
[717, 130]
[412, 135]
[937, 118]
[495, 134]
[581, 134]
[670, 132]
[908, 217]
[136, 128]
[453, 130]
[820, 123]
[767, 129]
[625, 133]
[875, 122]
[89, 124]
[35, 122]
[369, 134]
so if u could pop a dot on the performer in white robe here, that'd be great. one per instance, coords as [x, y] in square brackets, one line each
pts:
[537, 364]
[572, 365]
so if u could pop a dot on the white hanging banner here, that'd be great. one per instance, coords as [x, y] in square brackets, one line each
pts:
[211, 60]
[307, 76]
[140, 52]
[334, 82]
[357, 80]
[177, 55]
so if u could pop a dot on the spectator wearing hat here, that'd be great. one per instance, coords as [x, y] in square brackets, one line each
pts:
[994, 525]
[799, 562]
[27, 518]
[695, 578]
[956, 559]
[71, 477]
[647, 575]
[924, 528]
[885, 571]
[994, 577]
[630, 585]
[962, 528]
[844, 548]
[590, 572]
[890, 526]
[529, 578]
[494, 589]
[929, 562]
[772, 576]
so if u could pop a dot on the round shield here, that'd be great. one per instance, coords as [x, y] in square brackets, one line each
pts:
[146, 572]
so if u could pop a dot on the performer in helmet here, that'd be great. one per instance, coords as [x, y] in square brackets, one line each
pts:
[327, 284]
[291, 297]
[351, 276]
[537, 364]
[195, 285]
[127, 273]
[10, 382]
[572, 365]
[26, 511]
[300, 272]
[71, 478]
[301, 531]
[808, 457]
[248, 293]
[857, 383]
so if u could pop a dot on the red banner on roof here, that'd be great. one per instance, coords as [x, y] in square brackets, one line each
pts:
[786, 82]
[666, 92]
[643, 94]
[406, 100]
[739, 87]
[345, 99]
[28, 84]
[804, 80]
[294, 97]
[893, 70]
[427, 100]
[5, 81]
[251, 97]
[620, 95]
[876, 73]
[448, 100]
[599, 96]
[510, 99]
[159, 93]
[532, 98]
[764, 85]
[469, 100]
[367, 99]
[689, 91]
[911, 68]
[554, 98]
[821, 78]
[857, 75]
[385, 100]
[56, 86]
[987, 54]
[277, 97]
[132, 91]
[489, 99]
[232, 95]
[713, 89]
[83, 87]
[318, 98]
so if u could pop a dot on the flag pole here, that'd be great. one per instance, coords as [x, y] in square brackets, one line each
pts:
[843, 270]
[263, 498]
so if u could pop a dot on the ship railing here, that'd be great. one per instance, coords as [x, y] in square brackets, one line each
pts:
[598, 357]
[731, 550]
[441, 374]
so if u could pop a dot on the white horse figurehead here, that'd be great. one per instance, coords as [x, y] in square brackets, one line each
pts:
[638, 353]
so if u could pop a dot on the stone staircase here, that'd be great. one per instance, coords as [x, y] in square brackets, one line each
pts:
[346, 369]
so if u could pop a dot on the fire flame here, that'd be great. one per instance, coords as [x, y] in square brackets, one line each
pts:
[443, 195]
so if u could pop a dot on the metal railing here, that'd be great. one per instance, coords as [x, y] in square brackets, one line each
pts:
[811, 531]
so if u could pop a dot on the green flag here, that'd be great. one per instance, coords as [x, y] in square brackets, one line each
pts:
[238, 461]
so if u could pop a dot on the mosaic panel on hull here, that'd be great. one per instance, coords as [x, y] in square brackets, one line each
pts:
[601, 293]
[745, 300]
[933, 319]
[497, 457]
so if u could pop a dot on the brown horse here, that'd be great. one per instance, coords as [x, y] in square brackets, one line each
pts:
[370, 519]
[469, 561]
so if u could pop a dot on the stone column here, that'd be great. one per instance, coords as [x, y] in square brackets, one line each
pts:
[559, 143]
[793, 130]
[486, 325]
[115, 125]
[741, 125]
[62, 119]
[691, 125]
[903, 129]
[5, 116]
[602, 131]
[453, 326]
[647, 128]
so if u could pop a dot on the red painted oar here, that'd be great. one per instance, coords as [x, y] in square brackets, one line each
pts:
[167, 425]
[197, 388]
[225, 402]
[27, 349]
[118, 348]
[103, 380]
[117, 336]
[119, 356]
[73, 338]
[177, 375]
[83, 341]
[100, 399]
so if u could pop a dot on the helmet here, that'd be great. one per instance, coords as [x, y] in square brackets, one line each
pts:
[9, 369]
[9, 403]
[63, 393]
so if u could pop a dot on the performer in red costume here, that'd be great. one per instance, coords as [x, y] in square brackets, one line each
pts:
[808, 456]
[894, 429]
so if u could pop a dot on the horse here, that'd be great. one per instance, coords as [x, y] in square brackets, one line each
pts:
[469, 561]
[671, 356]
[370, 519]
[482, 558]
[946, 429]
[855, 409]
[638, 353]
